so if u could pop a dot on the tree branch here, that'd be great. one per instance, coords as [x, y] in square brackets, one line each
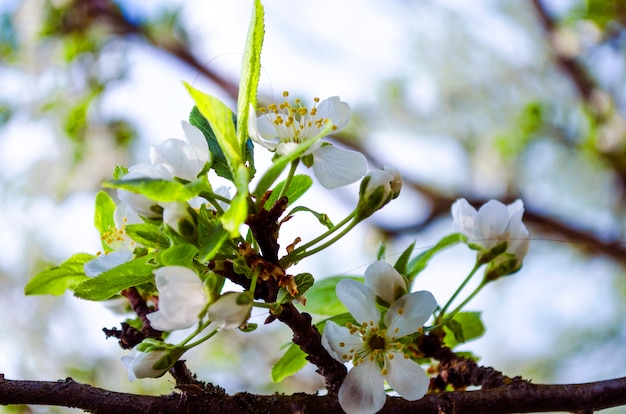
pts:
[519, 398]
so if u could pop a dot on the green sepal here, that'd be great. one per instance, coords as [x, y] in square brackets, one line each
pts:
[419, 262]
[299, 185]
[56, 280]
[148, 234]
[110, 283]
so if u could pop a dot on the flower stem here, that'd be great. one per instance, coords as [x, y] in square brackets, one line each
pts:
[290, 174]
[301, 252]
[467, 300]
[458, 291]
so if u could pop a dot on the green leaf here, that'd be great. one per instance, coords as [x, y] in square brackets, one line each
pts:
[464, 327]
[403, 260]
[110, 283]
[148, 234]
[157, 190]
[299, 185]
[220, 165]
[119, 172]
[56, 280]
[292, 361]
[303, 281]
[220, 119]
[322, 299]
[250, 73]
[103, 216]
[179, 255]
[419, 262]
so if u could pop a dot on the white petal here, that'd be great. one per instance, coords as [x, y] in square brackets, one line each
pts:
[181, 298]
[227, 313]
[464, 216]
[124, 215]
[174, 212]
[178, 158]
[359, 299]
[107, 262]
[198, 142]
[336, 110]
[139, 364]
[492, 220]
[406, 377]
[334, 167]
[363, 389]
[385, 281]
[409, 313]
[339, 343]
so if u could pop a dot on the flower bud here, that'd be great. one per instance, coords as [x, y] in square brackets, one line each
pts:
[378, 187]
[150, 359]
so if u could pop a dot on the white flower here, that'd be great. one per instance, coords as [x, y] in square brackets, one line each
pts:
[281, 128]
[183, 159]
[181, 298]
[491, 226]
[385, 281]
[117, 239]
[141, 364]
[231, 310]
[375, 347]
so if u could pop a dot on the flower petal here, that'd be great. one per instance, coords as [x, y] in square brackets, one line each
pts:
[407, 314]
[406, 377]
[181, 298]
[336, 110]
[334, 167]
[359, 300]
[107, 262]
[363, 389]
[491, 222]
[464, 215]
[198, 142]
[385, 281]
[339, 342]
[228, 313]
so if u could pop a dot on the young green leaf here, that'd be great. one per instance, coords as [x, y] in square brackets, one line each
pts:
[111, 282]
[464, 327]
[292, 361]
[220, 165]
[250, 73]
[157, 190]
[148, 234]
[403, 260]
[299, 185]
[56, 280]
[103, 216]
[303, 281]
[322, 299]
[419, 262]
[179, 255]
[321, 217]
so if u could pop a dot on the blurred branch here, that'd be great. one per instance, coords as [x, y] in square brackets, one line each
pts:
[519, 398]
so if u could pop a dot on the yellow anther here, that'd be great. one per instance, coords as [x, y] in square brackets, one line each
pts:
[390, 356]
[334, 128]
[316, 100]
[406, 356]
[342, 344]
[384, 371]
[400, 311]
[285, 94]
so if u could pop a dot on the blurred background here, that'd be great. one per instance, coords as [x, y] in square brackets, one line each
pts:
[479, 99]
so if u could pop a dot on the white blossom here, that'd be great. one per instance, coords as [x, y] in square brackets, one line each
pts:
[181, 298]
[375, 347]
[378, 188]
[281, 128]
[117, 240]
[491, 226]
